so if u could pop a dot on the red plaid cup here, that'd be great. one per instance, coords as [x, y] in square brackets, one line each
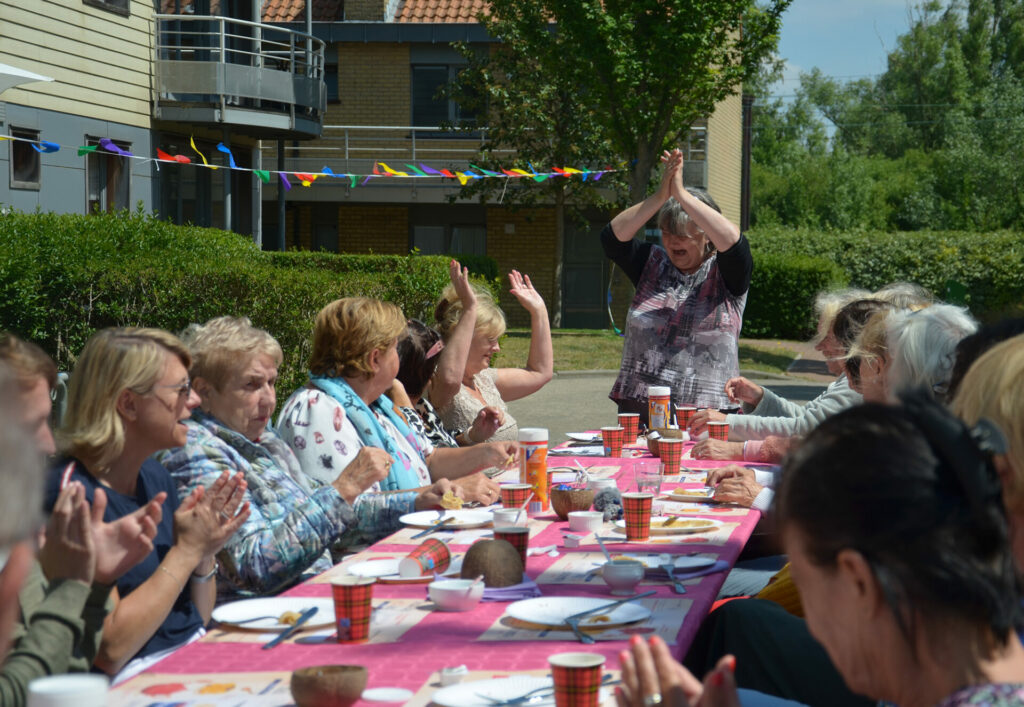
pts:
[577, 678]
[630, 421]
[431, 556]
[613, 439]
[684, 416]
[518, 537]
[718, 430]
[671, 456]
[514, 495]
[352, 607]
[637, 507]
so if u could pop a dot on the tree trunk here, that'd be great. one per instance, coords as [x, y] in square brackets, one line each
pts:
[640, 177]
[556, 301]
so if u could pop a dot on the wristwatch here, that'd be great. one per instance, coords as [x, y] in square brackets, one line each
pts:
[200, 578]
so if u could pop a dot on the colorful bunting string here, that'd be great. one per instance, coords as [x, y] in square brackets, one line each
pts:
[306, 179]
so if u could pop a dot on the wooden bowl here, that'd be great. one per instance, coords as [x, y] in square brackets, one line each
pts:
[658, 433]
[565, 501]
[328, 685]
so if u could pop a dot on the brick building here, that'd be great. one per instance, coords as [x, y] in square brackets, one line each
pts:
[384, 61]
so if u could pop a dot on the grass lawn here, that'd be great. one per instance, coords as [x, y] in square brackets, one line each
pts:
[592, 349]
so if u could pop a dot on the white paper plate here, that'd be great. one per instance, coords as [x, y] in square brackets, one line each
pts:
[387, 694]
[552, 611]
[375, 568]
[680, 527]
[237, 611]
[584, 436]
[472, 694]
[683, 494]
[462, 519]
[453, 571]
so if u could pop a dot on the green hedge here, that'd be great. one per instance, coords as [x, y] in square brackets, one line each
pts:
[782, 291]
[62, 277]
[984, 271]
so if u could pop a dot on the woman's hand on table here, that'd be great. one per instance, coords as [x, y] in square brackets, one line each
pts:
[650, 676]
[742, 390]
[699, 423]
[208, 517]
[522, 290]
[430, 497]
[733, 471]
[370, 465]
[718, 450]
[739, 490]
[477, 487]
[487, 422]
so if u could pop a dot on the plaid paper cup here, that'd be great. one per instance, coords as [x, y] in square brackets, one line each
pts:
[514, 495]
[671, 452]
[577, 678]
[718, 430]
[684, 416]
[630, 422]
[431, 556]
[352, 607]
[518, 537]
[613, 439]
[637, 507]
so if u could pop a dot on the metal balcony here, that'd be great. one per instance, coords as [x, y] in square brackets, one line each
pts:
[255, 79]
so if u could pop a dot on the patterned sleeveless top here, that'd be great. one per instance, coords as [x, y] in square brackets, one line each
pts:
[681, 331]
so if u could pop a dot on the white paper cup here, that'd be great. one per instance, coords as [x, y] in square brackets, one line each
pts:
[72, 690]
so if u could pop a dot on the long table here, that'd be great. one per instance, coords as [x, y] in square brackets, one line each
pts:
[410, 641]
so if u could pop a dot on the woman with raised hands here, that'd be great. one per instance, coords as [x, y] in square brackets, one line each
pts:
[128, 397]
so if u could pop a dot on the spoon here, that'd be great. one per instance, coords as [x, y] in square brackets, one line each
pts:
[607, 555]
[475, 582]
[523, 507]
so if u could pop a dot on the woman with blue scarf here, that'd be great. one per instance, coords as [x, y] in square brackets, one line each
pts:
[343, 417]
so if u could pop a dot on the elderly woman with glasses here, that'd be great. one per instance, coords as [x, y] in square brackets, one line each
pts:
[295, 519]
[129, 397]
[344, 410]
[683, 326]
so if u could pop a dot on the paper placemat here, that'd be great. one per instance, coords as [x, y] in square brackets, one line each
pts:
[228, 689]
[391, 619]
[713, 510]
[422, 696]
[579, 568]
[719, 536]
[666, 619]
[459, 537]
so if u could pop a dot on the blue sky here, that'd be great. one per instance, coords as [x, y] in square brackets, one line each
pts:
[843, 38]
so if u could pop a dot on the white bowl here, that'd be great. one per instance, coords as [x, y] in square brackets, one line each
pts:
[455, 594]
[509, 517]
[622, 576]
[585, 521]
[598, 484]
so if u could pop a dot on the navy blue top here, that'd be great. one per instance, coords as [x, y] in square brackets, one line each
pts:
[184, 619]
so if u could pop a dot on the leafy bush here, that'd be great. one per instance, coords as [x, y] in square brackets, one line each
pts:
[984, 271]
[62, 277]
[782, 291]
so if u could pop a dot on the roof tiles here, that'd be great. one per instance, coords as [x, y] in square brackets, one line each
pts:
[439, 11]
[436, 11]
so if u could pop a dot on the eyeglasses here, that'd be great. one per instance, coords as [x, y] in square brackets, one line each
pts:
[183, 389]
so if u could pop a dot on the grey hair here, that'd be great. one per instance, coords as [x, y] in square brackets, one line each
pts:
[827, 304]
[905, 295]
[21, 470]
[673, 218]
[922, 345]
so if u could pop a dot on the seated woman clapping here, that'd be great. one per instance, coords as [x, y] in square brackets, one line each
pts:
[893, 521]
[128, 398]
[295, 519]
[344, 411]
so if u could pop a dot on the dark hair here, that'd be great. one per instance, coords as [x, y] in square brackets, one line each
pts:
[909, 488]
[972, 347]
[414, 368]
[847, 326]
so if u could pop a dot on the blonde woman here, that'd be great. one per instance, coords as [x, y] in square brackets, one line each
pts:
[128, 398]
[471, 324]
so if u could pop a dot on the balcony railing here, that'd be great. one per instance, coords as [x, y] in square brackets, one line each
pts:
[261, 79]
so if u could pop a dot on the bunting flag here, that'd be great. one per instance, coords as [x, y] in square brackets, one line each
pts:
[380, 169]
[221, 147]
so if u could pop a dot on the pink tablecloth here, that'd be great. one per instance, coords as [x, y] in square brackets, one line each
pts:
[451, 639]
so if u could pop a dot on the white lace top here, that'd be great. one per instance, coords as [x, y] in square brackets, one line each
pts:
[464, 407]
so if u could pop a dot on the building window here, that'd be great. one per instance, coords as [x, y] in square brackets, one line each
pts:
[454, 240]
[428, 108]
[120, 7]
[331, 81]
[108, 177]
[25, 164]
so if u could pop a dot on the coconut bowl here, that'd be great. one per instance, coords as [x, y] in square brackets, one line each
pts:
[565, 501]
[328, 685]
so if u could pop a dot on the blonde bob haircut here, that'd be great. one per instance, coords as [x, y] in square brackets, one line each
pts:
[227, 344]
[827, 304]
[348, 330]
[114, 360]
[490, 320]
[993, 387]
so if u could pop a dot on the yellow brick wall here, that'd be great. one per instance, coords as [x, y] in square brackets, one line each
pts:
[373, 85]
[725, 155]
[530, 248]
[377, 228]
[365, 10]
